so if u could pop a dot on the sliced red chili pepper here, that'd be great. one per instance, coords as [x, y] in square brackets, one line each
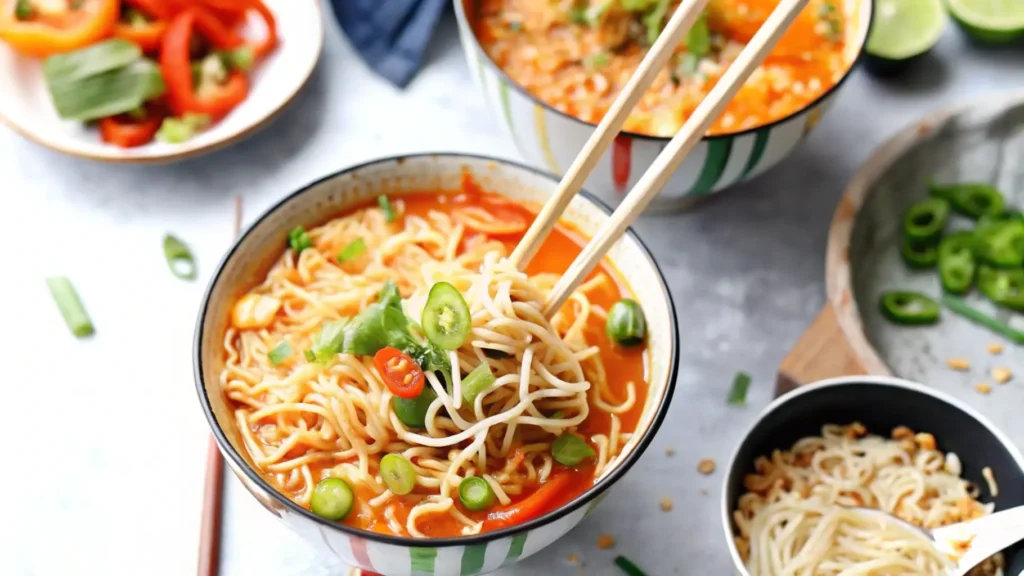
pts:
[127, 132]
[533, 506]
[176, 66]
[399, 372]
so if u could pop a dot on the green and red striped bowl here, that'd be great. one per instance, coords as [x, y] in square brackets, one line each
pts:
[550, 139]
[260, 246]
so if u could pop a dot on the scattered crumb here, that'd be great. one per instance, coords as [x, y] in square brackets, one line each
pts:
[995, 348]
[669, 451]
[901, 432]
[982, 388]
[1001, 375]
[706, 466]
[573, 558]
[960, 364]
[666, 504]
[605, 541]
[925, 440]
[703, 491]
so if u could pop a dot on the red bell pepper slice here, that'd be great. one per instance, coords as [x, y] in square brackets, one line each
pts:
[176, 66]
[127, 132]
[533, 506]
[55, 34]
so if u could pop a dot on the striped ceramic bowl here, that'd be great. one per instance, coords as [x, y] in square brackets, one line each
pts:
[551, 139]
[254, 253]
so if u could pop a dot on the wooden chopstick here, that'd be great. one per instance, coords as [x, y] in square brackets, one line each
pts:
[654, 179]
[213, 489]
[680, 22]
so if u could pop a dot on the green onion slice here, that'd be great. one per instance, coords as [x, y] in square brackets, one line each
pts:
[738, 391]
[628, 567]
[398, 474]
[476, 494]
[309, 354]
[964, 309]
[446, 318]
[332, 499]
[298, 239]
[179, 258]
[558, 415]
[477, 381]
[280, 353]
[352, 251]
[389, 211]
[570, 450]
[70, 306]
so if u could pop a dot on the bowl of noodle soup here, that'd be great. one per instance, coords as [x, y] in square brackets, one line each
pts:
[382, 379]
[874, 442]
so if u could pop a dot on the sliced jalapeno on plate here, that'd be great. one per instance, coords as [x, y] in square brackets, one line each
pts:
[1004, 287]
[909, 308]
[956, 262]
[918, 256]
[972, 199]
[923, 223]
[1000, 243]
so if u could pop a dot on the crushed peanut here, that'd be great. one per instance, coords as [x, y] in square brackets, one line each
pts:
[925, 440]
[982, 388]
[666, 504]
[605, 541]
[1001, 375]
[669, 451]
[703, 491]
[706, 466]
[573, 558]
[995, 348]
[901, 432]
[960, 364]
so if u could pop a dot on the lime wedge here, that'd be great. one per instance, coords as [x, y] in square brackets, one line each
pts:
[992, 21]
[902, 29]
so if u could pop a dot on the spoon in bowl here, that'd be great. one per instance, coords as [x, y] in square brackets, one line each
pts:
[968, 543]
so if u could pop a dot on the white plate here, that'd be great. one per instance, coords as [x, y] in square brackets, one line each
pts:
[26, 107]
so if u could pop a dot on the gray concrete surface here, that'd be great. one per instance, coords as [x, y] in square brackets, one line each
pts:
[105, 443]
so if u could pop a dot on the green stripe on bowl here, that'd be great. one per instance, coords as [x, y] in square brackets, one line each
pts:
[473, 559]
[423, 560]
[760, 143]
[515, 550]
[714, 165]
[506, 110]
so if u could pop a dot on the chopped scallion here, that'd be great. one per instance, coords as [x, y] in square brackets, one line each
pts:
[515, 26]
[70, 306]
[298, 239]
[628, 567]
[280, 353]
[23, 10]
[238, 59]
[964, 309]
[309, 355]
[558, 415]
[738, 392]
[596, 60]
[352, 251]
[178, 130]
[389, 210]
[179, 258]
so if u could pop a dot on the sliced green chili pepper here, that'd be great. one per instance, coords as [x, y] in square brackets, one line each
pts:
[956, 262]
[476, 494]
[446, 319]
[398, 474]
[413, 413]
[1001, 243]
[179, 258]
[923, 223]
[971, 199]
[332, 499]
[570, 450]
[909, 308]
[477, 381]
[626, 325]
[1004, 287]
[918, 255]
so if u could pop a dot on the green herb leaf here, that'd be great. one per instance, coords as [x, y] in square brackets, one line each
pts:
[596, 60]
[298, 239]
[352, 251]
[738, 392]
[116, 91]
[179, 258]
[328, 341]
[389, 295]
[389, 211]
[70, 306]
[90, 61]
[698, 38]
[637, 5]
[309, 355]
[628, 567]
[570, 450]
[654, 19]
[23, 10]
[280, 353]
[178, 130]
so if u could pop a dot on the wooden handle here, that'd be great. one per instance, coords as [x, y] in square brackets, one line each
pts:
[610, 125]
[678, 148]
[821, 352]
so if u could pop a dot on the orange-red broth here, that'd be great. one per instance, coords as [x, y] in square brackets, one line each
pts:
[621, 365]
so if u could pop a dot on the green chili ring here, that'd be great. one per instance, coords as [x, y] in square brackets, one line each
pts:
[924, 221]
[956, 262]
[909, 308]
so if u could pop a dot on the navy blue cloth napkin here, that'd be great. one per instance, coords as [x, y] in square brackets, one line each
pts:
[390, 35]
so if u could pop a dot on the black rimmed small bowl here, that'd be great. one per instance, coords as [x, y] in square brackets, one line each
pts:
[551, 139]
[880, 404]
[247, 263]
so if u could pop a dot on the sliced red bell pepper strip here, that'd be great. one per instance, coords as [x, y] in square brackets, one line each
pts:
[215, 32]
[176, 66]
[262, 48]
[127, 132]
[148, 37]
[157, 9]
[533, 506]
[48, 34]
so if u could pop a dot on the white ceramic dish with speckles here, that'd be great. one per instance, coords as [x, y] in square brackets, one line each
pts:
[247, 263]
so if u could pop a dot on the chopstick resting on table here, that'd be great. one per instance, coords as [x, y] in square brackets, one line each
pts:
[655, 178]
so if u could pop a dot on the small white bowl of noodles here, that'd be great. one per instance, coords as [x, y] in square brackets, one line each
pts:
[381, 379]
[864, 441]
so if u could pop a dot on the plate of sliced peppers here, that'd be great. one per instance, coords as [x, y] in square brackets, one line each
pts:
[152, 80]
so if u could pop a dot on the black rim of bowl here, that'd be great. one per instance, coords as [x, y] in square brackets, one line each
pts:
[861, 51]
[579, 501]
[889, 381]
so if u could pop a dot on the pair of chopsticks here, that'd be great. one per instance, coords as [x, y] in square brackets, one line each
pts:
[655, 178]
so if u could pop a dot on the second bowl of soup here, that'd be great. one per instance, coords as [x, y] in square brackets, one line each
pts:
[550, 71]
[382, 379]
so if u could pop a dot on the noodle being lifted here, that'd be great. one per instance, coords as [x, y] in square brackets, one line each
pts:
[454, 410]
